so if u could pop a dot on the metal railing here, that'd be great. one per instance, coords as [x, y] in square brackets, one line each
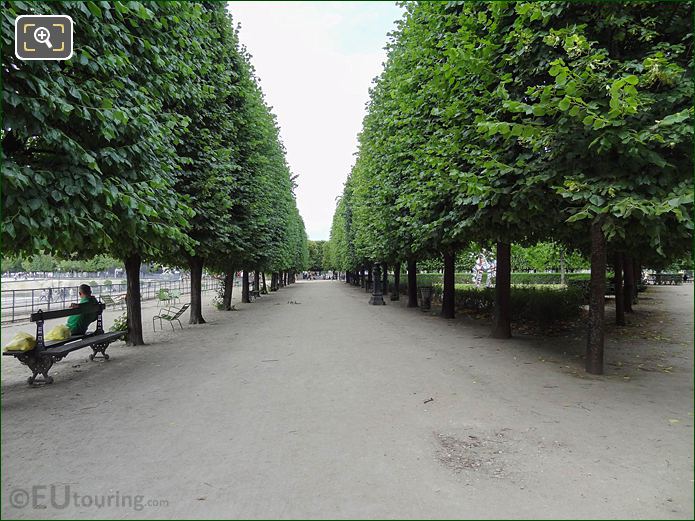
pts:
[18, 304]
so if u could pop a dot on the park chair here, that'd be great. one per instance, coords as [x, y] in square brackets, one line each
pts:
[113, 301]
[163, 297]
[169, 314]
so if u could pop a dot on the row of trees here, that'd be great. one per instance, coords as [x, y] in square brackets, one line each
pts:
[152, 143]
[49, 263]
[525, 122]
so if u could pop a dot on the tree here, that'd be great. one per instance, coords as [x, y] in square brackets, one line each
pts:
[316, 255]
[607, 118]
[207, 179]
[153, 142]
[89, 146]
[532, 123]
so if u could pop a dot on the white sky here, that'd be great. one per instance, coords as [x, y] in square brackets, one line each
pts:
[316, 62]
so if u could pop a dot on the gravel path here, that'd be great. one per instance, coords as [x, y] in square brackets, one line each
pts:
[310, 403]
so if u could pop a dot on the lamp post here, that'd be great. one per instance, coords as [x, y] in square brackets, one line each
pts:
[377, 295]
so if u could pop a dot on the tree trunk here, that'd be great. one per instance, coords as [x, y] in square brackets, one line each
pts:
[362, 284]
[228, 287]
[256, 281]
[412, 283]
[265, 288]
[629, 283]
[636, 279]
[133, 305]
[195, 264]
[385, 279]
[594, 346]
[245, 287]
[503, 290]
[368, 288]
[449, 291]
[619, 295]
[562, 266]
[396, 292]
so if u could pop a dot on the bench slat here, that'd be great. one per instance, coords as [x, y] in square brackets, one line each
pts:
[74, 346]
[67, 346]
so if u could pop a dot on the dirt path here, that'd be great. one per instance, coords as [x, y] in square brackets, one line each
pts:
[333, 408]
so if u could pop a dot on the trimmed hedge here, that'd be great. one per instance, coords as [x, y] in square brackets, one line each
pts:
[543, 305]
[547, 278]
[430, 279]
[538, 297]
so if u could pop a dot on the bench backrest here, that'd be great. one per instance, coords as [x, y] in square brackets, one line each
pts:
[88, 307]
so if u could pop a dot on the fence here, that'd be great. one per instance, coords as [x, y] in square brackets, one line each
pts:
[18, 304]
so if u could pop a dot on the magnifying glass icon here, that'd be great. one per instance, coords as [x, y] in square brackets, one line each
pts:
[42, 35]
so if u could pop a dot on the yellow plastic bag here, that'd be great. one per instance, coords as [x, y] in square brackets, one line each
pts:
[21, 342]
[61, 332]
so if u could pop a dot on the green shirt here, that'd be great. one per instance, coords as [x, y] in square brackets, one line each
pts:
[78, 323]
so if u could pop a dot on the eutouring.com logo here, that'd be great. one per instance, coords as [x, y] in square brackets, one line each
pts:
[60, 497]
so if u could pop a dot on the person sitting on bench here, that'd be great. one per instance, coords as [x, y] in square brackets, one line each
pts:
[78, 324]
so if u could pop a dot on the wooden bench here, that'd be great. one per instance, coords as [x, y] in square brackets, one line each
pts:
[661, 279]
[45, 354]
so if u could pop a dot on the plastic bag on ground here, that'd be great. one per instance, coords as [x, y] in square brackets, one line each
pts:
[21, 342]
[60, 332]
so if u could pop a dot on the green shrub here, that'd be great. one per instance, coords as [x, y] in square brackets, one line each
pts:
[540, 304]
[121, 324]
[545, 305]
[578, 282]
[430, 279]
[546, 278]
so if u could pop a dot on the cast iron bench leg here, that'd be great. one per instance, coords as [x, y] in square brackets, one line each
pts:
[38, 364]
[99, 348]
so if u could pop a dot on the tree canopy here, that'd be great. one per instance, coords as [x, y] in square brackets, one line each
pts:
[152, 142]
[525, 122]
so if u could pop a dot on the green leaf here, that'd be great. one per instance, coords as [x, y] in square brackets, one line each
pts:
[94, 9]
